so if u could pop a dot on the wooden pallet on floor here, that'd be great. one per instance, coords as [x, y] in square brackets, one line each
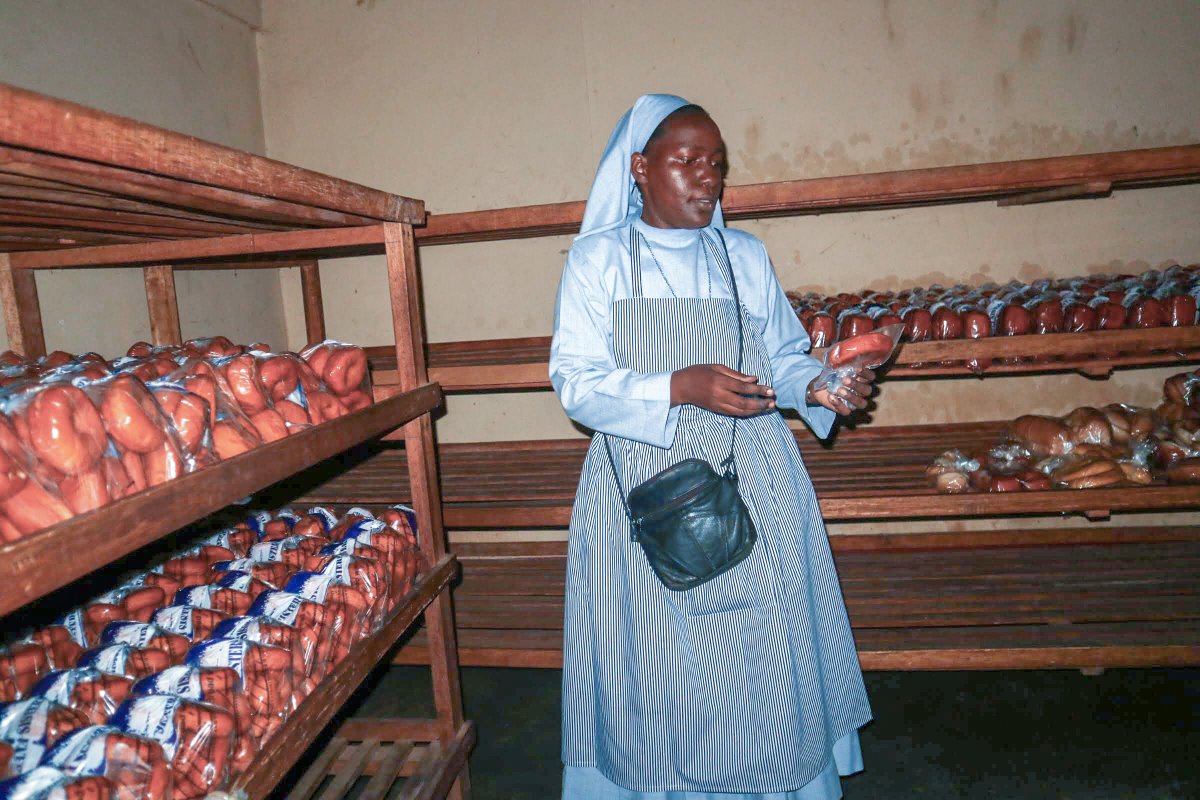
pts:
[395, 758]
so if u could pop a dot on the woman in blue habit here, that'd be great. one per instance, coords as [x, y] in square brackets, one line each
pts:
[747, 686]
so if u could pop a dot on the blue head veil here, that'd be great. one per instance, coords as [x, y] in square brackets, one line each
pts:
[614, 199]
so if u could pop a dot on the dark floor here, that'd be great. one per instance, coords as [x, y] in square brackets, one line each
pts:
[1062, 735]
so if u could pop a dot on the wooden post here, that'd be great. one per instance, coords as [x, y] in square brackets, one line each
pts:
[405, 291]
[314, 307]
[22, 311]
[163, 304]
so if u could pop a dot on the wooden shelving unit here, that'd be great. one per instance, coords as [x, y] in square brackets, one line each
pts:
[80, 188]
[511, 594]
[872, 473]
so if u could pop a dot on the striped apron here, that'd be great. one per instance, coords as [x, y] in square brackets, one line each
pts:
[742, 684]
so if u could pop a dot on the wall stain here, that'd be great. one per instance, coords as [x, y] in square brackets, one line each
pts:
[1072, 31]
[920, 102]
[755, 164]
[1032, 272]
[1003, 90]
[1031, 44]
[889, 23]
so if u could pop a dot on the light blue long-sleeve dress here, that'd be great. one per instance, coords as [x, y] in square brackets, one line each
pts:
[749, 685]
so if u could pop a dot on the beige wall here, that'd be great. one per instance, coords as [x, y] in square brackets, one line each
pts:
[189, 65]
[474, 105]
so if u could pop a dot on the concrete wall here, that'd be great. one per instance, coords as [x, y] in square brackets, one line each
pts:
[188, 65]
[476, 105]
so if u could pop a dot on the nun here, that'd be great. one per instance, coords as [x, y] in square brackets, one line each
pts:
[748, 685]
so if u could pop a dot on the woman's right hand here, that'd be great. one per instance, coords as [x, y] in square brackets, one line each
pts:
[719, 389]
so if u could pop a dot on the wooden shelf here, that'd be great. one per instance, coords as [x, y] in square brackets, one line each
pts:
[106, 534]
[867, 473]
[523, 363]
[72, 176]
[1030, 180]
[278, 754]
[1015, 599]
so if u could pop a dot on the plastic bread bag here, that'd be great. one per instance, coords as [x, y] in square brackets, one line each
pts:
[1183, 388]
[133, 601]
[282, 524]
[343, 369]
[288, 608]
[347, 522]
[62, 649]
[317, 521]
[94, 693]
[246, 388]
[403, 520]
[228, 601]
[29, 495]
[951, 472]
[350, 607]
[243, 583]
[192, 622]
[1089, 425]
[141, 436]
[272, 573]
[33, 725]
[1043, 436]
[144, 634]
[267, 678]
[292, 552]
[289, 381]
[300, 642]
[146, 369]
[126, 660]
[236, 540]
[136, 767]
[48, 783]
[1088, 473]
[848, 357]
[369, 576]
[210, 347]
[232, 431]
[22, 665]
[357, 546]
[190, 419]
[218, 686]
[396, 552]
[198, 739]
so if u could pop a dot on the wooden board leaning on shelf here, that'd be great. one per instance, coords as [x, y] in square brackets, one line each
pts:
[873, 472]
[524, 363]
[1017, 599]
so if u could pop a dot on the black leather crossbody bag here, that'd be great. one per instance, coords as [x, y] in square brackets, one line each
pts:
[689, 520]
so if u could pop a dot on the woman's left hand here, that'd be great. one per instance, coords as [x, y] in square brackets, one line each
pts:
[847, 398]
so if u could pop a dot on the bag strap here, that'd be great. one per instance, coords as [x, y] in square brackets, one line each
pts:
[729, 465]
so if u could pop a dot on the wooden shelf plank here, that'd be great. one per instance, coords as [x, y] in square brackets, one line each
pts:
[278, 754]
[309, 240]
[104, 535]
[523, 363]
[1109, 645]
[37, 122]
[1121, 169]
[868, 473]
